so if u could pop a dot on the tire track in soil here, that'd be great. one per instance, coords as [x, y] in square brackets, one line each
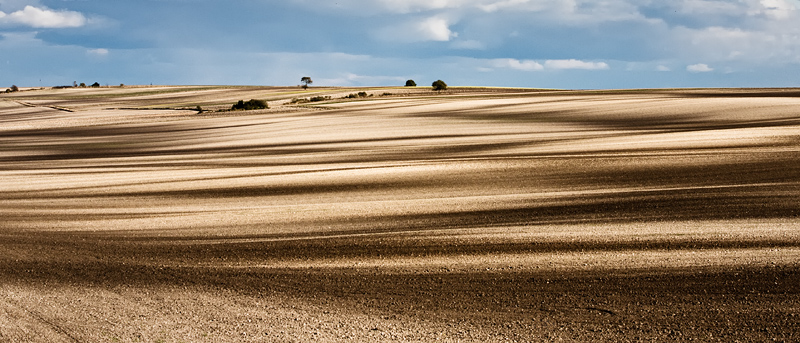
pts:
[9, 304]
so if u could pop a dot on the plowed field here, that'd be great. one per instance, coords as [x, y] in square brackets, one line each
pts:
[468, 215]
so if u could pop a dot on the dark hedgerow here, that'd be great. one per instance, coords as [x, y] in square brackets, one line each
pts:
[253, 104]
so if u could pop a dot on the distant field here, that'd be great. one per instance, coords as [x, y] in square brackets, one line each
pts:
[475, 214]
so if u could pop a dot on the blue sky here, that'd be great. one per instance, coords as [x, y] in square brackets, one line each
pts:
[572, 44]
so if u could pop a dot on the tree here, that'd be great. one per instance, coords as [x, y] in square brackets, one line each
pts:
[411, 83]
[305, 80]
[439, 85]
[95, 85]
[14, 88]
[83, 85]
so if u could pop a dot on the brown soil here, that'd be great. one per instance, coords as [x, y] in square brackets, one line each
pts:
[472, 215]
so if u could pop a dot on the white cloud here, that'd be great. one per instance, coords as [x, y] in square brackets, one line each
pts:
[436, 29]
[699, 68]
[778, 9]
[575, 64]
[510, 63]
[662, 68]
[43, 18]
[493, 7]
[98, 52]
[778, 44]
[429, 29]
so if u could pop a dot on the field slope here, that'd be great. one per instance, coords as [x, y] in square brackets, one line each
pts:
[477, 214]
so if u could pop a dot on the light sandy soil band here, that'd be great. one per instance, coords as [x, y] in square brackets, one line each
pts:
[473, 215]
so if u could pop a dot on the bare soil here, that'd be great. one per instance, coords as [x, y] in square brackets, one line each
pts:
[473, 215]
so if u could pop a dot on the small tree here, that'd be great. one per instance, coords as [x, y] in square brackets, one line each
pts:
[439, 85]
[305, 80]
[411, 83]
[83, 85]
[95, 85]
[14, 88]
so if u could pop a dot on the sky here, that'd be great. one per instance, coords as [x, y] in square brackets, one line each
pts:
[565, 44]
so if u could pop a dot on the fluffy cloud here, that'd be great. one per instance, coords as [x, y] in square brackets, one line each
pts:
[575, 64]
[43, 18]
[530, 65]
[429, 29]
[526, 65]
[699, 68]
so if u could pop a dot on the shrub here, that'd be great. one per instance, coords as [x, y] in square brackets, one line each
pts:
[199, 109]
[439, 85]
[351, 96]
[319, 98]
[95, 85]
[83, 85]
[411, 83]
[362, 94]
[253, 104]
[14, 88]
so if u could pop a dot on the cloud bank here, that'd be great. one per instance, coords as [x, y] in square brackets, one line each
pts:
[43, 18]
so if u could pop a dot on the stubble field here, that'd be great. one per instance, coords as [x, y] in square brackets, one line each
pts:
[475, 214]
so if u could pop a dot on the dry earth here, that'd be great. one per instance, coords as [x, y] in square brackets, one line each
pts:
[473, 215]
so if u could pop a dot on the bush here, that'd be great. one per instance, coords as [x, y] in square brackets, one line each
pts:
[439, 85]
[312, 99]
[319, 98]
[362, 94]
[253, 104]
[95, 85]
[83, 85]
[14, 88]
[411, 83]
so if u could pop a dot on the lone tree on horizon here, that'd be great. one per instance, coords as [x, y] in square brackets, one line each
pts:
[305, 80]
[439, 85]
[411, 83]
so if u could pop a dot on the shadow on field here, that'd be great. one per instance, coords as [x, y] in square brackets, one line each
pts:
[752, 303]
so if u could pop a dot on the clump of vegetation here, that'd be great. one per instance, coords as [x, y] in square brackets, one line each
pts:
[13, 88]
[253, 104]
[411, 83]
[83, 85]
[311, 99]
[356, 95]
[386, 94]
[95, 85]
[199, 109]
[439, 85]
